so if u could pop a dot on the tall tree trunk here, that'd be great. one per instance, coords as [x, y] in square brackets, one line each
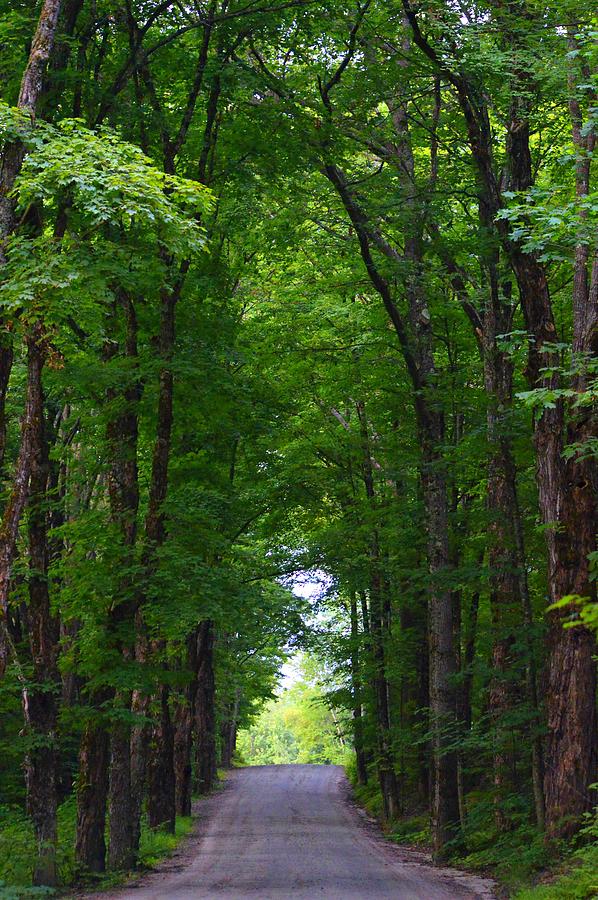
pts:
[92, 789]
[205, 711]
[464, 713]
[228, 732]
[417, 354]
[566, 487]
[160, 770]
[29, 94]
[567, 496]
[121, 849]
[10, 166]
[505, 601]
[140, 738]
[161, 778]
[123, 492]
[36, 354]
[358, 741]
[389, 785]
[39, 701]
[183, 740]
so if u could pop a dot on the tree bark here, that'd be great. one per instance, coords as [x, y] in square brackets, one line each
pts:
[389, 785]
[183, 739]
[160, 770]
[140, 738]
[39, 701]
[123, 492]
[92, 790]
[36, 354]
[205, 718]
[566, 487]
[505, 602]
[358, 741]
[10, 166]
[121, 849]
[419, 364]
[161, 778]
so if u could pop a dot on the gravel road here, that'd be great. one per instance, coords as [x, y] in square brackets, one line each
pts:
[279, 832]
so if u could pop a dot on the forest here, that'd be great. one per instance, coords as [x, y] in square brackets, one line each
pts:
[298, 290]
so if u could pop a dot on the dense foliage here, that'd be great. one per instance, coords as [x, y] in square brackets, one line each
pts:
[291, 287]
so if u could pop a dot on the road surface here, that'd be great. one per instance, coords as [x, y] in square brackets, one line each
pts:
[279, 832]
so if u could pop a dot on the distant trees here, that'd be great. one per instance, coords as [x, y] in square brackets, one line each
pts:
[296, 727]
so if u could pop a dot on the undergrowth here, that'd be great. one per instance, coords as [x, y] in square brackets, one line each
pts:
[515, 859]
[17, 851]
[578, 875]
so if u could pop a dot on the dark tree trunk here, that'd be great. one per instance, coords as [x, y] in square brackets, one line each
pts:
[464, 711]
[123, 492]
[92, 792]
[417, 354]
[183, 739]
[10, 166]
[140, 739]
[6, 359]
[566, 488]
[39, 701]
[160, 767]
[17, 499]
[29, 94]
[445, 798]
[205, 710]
[389, 785]
[228, 732]
[358, 740]
[121, 851]
[183, 770]
[505, 601]
[567, 497]
[387, 777]
[160, 770]
[572, 750]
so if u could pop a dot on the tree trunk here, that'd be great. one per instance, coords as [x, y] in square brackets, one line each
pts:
[39, 701]
[228, 732]
[183, 740]
[389, 785]
[123, 492]
[205, 720]
[36, 354]
[567, 497]
[445, 800]
[160, 770]
[10, 166]
[31, 87]
[505, 602]
[567, 493]
[360, 754]
[416, 347]
[183, 770]
[121, 852]
[140, 739]
[464, 695]
[92, 791]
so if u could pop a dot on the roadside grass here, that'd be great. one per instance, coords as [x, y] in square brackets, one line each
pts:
[580, 882]
[522, 863]
[413, 830]
[17, 852]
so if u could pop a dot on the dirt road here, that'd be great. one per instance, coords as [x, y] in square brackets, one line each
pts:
[281, 832]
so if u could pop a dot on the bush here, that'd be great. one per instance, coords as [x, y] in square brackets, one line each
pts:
[17, 850]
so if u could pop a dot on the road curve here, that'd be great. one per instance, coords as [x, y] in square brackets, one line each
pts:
[281, 832]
